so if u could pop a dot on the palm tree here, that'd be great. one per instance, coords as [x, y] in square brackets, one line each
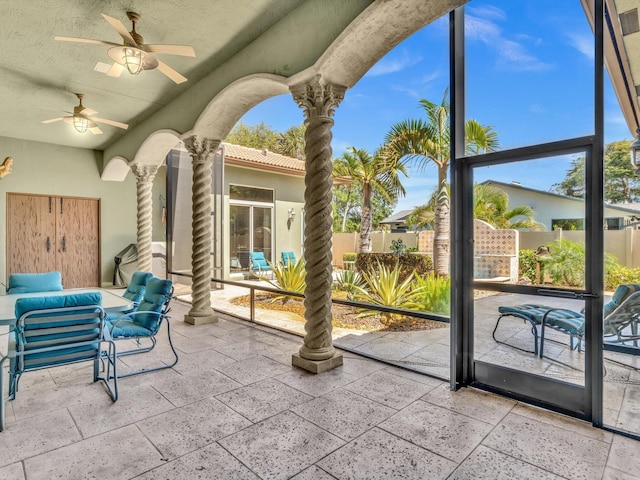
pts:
[291, 143]
[371, 172]
[345, 169]
[424, 141]
[492, 205]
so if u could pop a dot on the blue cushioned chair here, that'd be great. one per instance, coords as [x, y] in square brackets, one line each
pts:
[34, 282]
[620, 316]
[58, 330]
[259, 264]
[144, 322]
[288, 258]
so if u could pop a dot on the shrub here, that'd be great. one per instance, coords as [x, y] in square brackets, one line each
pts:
[565, 263]
[616, 274]
[527, 265]
[408, 263]
[434, 293]
[289, 277]
[385, 288]
[347, 280]
[349, 257]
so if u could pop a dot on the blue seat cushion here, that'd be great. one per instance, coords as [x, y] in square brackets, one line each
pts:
[125, 327]
[288, 258]
[35, 282]
[561, 319]
[27, 304]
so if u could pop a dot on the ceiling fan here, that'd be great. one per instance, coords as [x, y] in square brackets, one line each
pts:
[133, 54]
[83, 119]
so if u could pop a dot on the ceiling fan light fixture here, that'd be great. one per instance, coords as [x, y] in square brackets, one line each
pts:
[133, 59]
[80, 123]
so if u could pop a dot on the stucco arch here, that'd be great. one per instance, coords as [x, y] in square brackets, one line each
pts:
[155, 147]
[373, 34]
[226, 108]
[115, 170]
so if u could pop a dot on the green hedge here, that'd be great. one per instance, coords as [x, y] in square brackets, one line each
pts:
[349, 257]
[409, 263]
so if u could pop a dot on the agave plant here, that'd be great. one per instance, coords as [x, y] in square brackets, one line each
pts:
[289, 277]
[347, 280]
[385, 288]
[435, 293]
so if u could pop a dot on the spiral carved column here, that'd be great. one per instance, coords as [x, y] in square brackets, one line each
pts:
[201, 151]
[319, 100]
[144, 184]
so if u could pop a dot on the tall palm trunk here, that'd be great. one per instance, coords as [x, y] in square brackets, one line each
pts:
[441, 228]
[347, 207]
[365, 222]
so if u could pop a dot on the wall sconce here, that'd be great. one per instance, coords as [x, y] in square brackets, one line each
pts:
[291, 216]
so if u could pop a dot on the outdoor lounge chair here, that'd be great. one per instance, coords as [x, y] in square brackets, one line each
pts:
[288, 258]
[259, 264]
[144, 322]
[620, 316]
[57, 330]
[34, 282]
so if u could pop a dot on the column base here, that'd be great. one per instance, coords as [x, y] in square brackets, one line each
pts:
[316, 366]
[201, 319]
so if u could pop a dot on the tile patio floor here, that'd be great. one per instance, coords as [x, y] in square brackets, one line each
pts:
[233, 407]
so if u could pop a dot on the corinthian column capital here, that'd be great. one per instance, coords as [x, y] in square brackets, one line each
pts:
[318, 98]
[201, 149]
[144, 173]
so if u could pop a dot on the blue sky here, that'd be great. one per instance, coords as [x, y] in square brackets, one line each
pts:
[529, 75]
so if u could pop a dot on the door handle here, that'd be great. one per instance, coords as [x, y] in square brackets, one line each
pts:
[566, 293]
[48, 244]
[64, 243]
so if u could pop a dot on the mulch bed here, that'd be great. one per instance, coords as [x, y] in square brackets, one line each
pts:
[344, 316]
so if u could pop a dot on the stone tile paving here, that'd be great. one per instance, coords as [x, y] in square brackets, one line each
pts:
[219, 414]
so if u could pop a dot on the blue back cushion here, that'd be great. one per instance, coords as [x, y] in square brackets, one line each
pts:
[619, 296]
[27, 304]
[35, 282]
[137, 286]
[257, 258]
[288, 258]
[156, 297]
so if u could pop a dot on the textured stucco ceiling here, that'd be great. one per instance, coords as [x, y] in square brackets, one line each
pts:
[38, 75]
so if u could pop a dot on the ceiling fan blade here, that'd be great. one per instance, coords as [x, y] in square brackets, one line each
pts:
[183, 50]
[53, 120]
[110, 122]
[120, 28]
[95, 130]
[86, 40]
[115, 70]
[87, 112]
[171, 73]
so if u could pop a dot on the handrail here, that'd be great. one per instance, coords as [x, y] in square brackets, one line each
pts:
[367, 306]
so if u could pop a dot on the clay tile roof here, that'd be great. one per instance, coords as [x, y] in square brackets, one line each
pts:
[252, 157]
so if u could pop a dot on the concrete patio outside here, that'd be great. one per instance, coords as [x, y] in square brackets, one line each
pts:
[234, 407]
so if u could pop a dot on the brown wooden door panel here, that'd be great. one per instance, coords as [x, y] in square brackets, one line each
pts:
[31, 234]
[72, 227]
[78, 241]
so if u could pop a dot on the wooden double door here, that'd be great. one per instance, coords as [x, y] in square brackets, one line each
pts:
[46, 233]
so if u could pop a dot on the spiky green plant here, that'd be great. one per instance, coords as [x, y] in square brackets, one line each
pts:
[385, 288]
[347, 280]
[435, 293]
[289, 277]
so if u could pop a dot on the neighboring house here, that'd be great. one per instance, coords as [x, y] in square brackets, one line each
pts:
[398, 221]
[263, 207]
[560, 211]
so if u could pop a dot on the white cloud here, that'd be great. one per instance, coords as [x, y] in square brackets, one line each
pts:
[391, 65]
[512, 55]
[488, 11]
[339, 147]
[409, 91]
[582, 43]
